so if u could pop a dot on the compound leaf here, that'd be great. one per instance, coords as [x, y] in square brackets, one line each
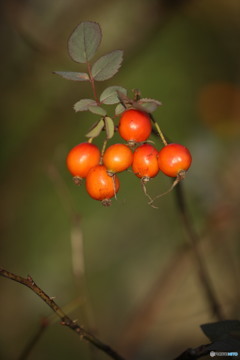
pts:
[107, 66]
[84, 41]
[110, 95]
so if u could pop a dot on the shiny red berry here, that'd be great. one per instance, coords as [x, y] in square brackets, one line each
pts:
[117, 158]
[100, 186]
[82, 158]
[173, 159]
[135, 126]
[145, 162]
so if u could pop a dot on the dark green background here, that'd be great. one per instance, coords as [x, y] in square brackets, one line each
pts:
[174, 51]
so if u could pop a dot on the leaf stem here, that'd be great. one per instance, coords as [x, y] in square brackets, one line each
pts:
[92, 82]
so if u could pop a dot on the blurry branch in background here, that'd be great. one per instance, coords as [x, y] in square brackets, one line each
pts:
[194, 239]
[77, 247]
[65, 319]
[188, 354]
[44, 323]
[153, 304]
[30, 345]
[68, 205]
[139, 323]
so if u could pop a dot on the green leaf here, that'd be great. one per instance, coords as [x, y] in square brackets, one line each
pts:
[96, 129]
[109, 126]
[84, 41]
[107, 66]
[110, 95]
[119, 109]
[83, 104]
[215, 331]
[149, 105]
[76, 76]
[97, 110]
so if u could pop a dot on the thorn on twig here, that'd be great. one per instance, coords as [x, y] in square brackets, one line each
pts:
[64, 319]
[30, 279]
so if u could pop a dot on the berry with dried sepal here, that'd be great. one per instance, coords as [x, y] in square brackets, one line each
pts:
[100, 186]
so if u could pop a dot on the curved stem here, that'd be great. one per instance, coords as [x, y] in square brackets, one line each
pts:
[175, 182]
[194, 239]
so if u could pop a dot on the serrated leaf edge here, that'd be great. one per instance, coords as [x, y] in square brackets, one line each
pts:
[149, 100]
[69, 52]
[116, 70]
[116, 89]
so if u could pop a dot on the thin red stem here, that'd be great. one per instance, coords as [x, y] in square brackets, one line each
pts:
[92, 82]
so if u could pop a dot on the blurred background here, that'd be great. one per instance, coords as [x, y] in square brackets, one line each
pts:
[118, 270]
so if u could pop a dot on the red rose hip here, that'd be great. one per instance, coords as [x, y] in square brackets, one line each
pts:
[135, 126]
[145, 162]
[82, 158]
[100, 186]
[173, 159]
[117, 158]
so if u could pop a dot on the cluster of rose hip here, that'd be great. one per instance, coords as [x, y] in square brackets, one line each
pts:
[100, 168]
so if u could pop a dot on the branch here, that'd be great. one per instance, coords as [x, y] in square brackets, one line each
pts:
[194, 239]
[65, 320]
[192, 354]
[28, 348]
[141, 320]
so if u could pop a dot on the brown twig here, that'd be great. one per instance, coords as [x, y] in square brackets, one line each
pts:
[194, 240]
[65, 319]
[192, 354]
